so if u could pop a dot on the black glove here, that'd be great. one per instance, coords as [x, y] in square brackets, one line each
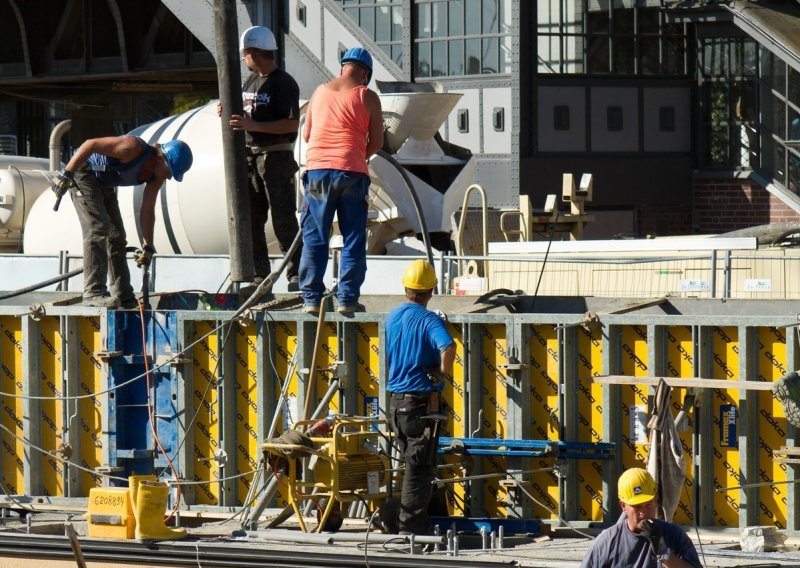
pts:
[60, 185]
[144, 256]
[435, 376]
[652, 532]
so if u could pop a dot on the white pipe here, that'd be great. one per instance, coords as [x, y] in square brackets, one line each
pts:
[55, 143]
[287, 534]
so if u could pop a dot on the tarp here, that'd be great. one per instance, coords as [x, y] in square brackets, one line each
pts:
[665, 459]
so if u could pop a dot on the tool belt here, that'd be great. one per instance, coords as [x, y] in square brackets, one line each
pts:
[256, 150]
[433, 399]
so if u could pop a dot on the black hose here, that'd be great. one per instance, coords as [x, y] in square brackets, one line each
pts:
[43, 284]
[423, 226]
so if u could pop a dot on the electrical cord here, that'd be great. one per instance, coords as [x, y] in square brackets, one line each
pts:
[59, 458]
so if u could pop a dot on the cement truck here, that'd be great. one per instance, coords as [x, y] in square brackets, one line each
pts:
[190, 216]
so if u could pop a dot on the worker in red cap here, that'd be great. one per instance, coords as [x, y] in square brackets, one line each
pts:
[638, 540]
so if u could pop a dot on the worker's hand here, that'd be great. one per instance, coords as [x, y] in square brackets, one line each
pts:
[219, 109]
[436, 376]
[62, 181]
[144, 256]
[241, 122]
[652, 532]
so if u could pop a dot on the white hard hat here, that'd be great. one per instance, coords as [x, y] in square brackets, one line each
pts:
[258, 37]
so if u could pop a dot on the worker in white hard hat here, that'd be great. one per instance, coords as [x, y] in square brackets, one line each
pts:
[95, 171]
[638, 540]
[270, 121]
[419, 353]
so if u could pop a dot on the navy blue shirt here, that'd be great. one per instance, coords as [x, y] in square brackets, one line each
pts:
[619, 547]
[415, 338]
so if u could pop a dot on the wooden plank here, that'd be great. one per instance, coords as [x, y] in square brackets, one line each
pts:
[687, 383]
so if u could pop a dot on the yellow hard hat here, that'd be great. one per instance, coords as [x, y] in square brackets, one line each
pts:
[420, 275]
[636, 486]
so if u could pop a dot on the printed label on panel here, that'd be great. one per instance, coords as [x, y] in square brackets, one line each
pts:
[205, 363]
[11, 421]
[248, 447]
[52, 421]
[494, 404]
[90, 408]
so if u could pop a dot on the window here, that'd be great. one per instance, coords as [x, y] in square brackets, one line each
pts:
[382, 21]
[561, 117]
[728, 103]
[614, 118]
[666, 119]
[609, 37]
[462, 37]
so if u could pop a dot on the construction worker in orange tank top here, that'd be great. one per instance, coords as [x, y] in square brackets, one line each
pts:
[343, 128]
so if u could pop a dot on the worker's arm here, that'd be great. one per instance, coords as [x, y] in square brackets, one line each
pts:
[675, 561]
[307, 124]
[123, 148]
[147, 217]
[448, 357]
[280, 126]
[373, 104]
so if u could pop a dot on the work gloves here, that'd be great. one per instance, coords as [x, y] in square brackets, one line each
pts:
[60, 185]
[652, 532]
[144, 256]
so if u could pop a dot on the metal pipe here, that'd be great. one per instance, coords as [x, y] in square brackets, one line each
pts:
[334, 386]
[484, 223]
[378, 538]
[294, 536]
[55, 143]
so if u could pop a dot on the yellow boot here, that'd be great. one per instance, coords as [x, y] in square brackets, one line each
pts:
[133, 487]
[151, 501]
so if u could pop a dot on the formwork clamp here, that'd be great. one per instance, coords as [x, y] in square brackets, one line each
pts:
[105, 355]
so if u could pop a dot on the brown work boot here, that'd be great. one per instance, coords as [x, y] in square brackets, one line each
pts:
[787, 391]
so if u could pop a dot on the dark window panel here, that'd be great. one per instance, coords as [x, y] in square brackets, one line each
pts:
[473, 56]
[622, 22]
[794, 173]
[614, 119]
[773, 70]
[773, 112]
[597, 55]
[649, 20]
[648, 56]
[423, 60]
[666, 119]
[794, 87]
[561, 117]
[624, 56]
[597, 21]
[673, 57]
[717, 151]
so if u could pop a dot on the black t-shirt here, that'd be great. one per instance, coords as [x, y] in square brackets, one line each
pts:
[273, 97]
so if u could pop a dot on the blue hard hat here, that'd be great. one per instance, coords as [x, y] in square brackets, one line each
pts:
[361, 56]
[179, 157]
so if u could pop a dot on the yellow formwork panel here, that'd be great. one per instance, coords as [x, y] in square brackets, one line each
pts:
[590, 422]
[679, 350]
[493, 404]
[367, 365]
[205, 365]
[725, 425]
[633, 398]
[285, 348]
[52, 422]
[11, 382]
[772, 428]
[248, 448]
[454, 395]
[544, 414]
[326, 357]
[91, 409]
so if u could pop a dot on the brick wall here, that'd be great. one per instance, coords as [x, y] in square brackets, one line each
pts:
[665, 221]
[722, 205]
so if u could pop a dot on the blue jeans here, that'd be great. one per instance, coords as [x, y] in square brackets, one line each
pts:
[345, 194]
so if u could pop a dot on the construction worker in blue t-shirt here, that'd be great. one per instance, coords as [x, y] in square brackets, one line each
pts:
[420, 354]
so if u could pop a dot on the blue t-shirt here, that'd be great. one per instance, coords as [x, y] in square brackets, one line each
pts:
[618, 547]
[415, 338]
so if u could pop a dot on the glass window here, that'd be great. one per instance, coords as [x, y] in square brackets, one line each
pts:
[624, 56]
[773, 70]
[794, 87]
[505, 54]
[473, 17]
[383, 25]
[491, 17]
[598, 55]
[438, 59]
[560, 117]
[423, 59]
[491, 58]
[473, 56]
[367, 21]
[456, 17]
[456, 57]
[439, 19]
[423, 21]
[649, 56]
[666, 119]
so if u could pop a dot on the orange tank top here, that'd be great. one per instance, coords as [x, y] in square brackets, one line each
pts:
[339, 128]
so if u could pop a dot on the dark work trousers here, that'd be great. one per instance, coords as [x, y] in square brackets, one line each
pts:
[103, 238]
[272, 187]
[417, 439]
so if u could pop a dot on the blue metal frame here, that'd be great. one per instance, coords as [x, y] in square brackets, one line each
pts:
[526, 448]
[132, 446]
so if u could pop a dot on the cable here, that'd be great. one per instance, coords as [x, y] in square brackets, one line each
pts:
[59, 458]
[151, 416]
[42, 284]
[366, 537]
[696, 529]
[210, 481]
[546, 254]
